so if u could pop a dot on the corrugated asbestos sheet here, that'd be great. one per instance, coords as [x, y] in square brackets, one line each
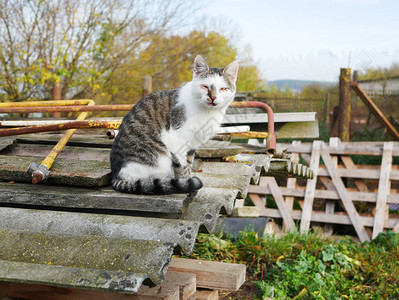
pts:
[79, 237]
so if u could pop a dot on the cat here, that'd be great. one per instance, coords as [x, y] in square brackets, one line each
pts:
[154, 150]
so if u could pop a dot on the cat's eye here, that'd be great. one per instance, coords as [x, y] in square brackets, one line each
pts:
[205, 87]
[223, 89]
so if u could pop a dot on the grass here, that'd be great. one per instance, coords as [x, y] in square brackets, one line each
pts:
[311, 266]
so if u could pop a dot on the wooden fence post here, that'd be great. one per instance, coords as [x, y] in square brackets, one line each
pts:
[147, 85]
[57, 89]
[344, 108]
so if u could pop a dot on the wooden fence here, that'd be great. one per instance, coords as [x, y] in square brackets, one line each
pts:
[341, 192]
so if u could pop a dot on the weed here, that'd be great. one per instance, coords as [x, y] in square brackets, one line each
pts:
[310, 266]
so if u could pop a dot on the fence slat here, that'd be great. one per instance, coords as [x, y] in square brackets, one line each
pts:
[383, 189]
[330, 205]
[348, 163]
[323, 194]
[346, 200]
[278, 197]
[337, 218]
[310, 187]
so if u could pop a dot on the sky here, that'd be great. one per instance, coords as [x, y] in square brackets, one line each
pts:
[313, 39]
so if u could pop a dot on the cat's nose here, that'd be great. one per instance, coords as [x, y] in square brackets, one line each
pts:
[212, 92]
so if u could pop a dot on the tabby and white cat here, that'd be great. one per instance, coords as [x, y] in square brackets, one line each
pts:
[154, 150]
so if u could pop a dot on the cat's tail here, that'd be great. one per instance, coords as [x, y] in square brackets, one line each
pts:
[157, 186]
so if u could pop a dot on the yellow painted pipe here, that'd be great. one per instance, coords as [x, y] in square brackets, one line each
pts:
[49, 160]
[251, 134]
[47, 103]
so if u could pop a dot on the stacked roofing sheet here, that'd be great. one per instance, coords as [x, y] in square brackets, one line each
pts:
[97, 238]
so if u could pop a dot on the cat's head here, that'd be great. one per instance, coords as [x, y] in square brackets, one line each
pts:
[214, 88]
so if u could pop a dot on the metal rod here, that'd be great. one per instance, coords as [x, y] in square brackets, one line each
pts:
[41, 172]
[62, 126]
[271, 137]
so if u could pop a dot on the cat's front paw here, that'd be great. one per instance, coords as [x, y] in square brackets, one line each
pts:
[194, 184]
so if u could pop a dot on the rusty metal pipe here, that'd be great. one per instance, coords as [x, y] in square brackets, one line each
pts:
[271, 137]
[62, 126]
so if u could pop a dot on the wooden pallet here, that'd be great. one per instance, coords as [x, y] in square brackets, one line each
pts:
[332, 166]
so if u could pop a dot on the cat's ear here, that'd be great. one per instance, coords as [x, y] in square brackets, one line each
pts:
[231, 71]
[199, 66]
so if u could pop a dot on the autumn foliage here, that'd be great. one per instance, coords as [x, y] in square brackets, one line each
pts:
[102, 49]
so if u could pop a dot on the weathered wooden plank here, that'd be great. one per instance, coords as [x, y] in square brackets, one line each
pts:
[246, 211]
[90, 199]
[258, 202]
[64, 171]
[278, 197]
[396, 227]
[330, 205]
[383, 190]
[211, 274]
[322, 217]
[347, 201]
[348, 162]
[359, 173]
[175, 286]
[324, 194]
[310, 188]
[346, 148]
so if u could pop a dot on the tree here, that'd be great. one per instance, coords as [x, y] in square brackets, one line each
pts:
[380, 73]
[76, 42]
[313, 91]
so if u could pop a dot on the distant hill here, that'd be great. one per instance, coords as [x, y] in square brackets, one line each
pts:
[298, 85]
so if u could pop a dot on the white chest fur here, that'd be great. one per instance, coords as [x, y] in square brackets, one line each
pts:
[197, 130]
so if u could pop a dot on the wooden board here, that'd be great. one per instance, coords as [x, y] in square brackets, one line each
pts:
[211, 274]
[346, 200]
[336, 218]
[383, 189]
[359, 173]
[184, 282]
[345, 148]
[323, 194]
[64, 171]
[310, 187]
[278, 198]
